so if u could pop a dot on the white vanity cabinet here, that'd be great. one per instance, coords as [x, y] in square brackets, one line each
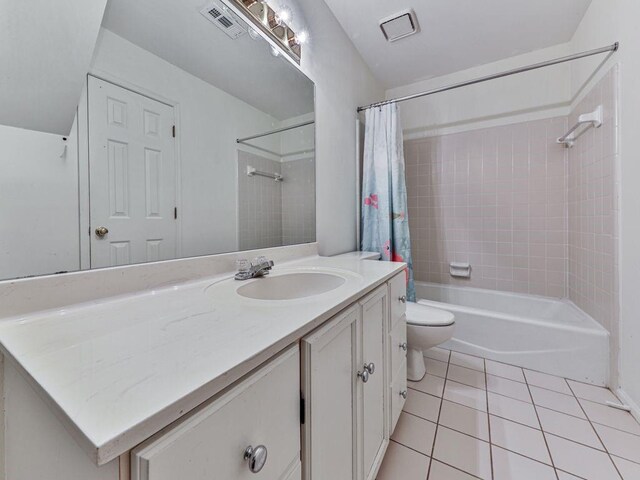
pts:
[348, 373]
[261, 413]
[397, 347]
[323, 408]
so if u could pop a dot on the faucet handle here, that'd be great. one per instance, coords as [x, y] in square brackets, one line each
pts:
[258, 260]
[243, 265]
[262, 262]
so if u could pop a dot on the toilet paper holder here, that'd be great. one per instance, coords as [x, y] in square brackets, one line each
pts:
[460, 270]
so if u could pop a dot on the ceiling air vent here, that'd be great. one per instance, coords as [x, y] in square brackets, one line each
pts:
[400, 25]
[222, 18]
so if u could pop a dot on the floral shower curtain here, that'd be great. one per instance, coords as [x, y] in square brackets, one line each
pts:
[385, 223]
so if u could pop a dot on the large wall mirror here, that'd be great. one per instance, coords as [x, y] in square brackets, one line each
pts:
[193, 137]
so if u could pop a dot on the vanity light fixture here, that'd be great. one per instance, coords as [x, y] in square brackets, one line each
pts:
[275, 25]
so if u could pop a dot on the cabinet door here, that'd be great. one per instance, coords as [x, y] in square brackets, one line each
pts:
[329, 382]
[398, 298]
[398, 394]
[263, 410]
[373, 417]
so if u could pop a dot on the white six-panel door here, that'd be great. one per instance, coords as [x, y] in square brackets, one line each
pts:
[132, 176]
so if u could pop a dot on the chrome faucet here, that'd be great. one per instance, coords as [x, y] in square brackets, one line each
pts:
[258, 268]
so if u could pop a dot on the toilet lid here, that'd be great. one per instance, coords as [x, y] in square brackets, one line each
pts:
[422, 315]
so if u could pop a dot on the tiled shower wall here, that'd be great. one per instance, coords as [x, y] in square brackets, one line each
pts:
[271, 214]
[593, 209]
[259, 204]
[529, 215]
[299, 202]
[494, 198]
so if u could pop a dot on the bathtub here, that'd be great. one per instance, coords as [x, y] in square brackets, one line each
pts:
[544, 334]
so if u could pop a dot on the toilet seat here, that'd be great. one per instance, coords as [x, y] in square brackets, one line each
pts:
[423, 316]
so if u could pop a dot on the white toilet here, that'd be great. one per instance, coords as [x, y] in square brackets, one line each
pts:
[427, 327]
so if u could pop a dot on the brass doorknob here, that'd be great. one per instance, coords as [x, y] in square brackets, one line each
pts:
[101, 231]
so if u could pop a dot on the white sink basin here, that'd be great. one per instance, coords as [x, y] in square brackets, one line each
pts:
[290, 286]
[287, 285]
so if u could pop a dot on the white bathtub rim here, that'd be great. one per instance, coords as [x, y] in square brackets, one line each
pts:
[504, 293]
[594, 329]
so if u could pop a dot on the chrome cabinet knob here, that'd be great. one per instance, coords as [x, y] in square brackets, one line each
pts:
[404, 346]
[403, 394]
[371, 368]
[403, 299]
[364, 376]
[101, 231]
[256, 457]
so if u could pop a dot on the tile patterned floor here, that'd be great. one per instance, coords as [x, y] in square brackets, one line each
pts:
[472, 418]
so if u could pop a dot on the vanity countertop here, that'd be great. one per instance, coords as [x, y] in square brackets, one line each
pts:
[118, 370]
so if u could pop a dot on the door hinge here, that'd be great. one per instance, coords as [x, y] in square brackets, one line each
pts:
[173, 131]
[302, 411]
[175, 213]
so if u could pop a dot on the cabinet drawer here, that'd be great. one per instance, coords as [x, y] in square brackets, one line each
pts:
[397, 291]
[262, 410]
[398, 339]
[398, 386]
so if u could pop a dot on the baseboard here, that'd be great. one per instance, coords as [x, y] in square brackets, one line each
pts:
[626, 399]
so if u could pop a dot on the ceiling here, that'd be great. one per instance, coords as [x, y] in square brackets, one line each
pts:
[176, 32]
[455, 34]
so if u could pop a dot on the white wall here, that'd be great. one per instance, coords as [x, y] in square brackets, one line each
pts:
[605, 22]
[38, 203]
[343, 82]
[209, 122]
[525, 97]
[298, 143]
[45, 49]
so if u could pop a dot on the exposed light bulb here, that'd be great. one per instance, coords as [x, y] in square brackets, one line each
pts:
[283, 15]
[302, 37]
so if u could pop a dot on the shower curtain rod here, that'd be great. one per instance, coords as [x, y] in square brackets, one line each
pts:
[536, 66]
[272, 132]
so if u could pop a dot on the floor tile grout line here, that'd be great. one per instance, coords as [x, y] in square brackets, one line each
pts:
[426, 393]
[486, 392]
[536, 407]
[555, 391]
[595, 431]
[517, 400]
[522, 455]
[468, 368]
[410, 448]
[418, 416]
[435, 435]
[544, 437]
[574, 441]
[569, 473]
[458, 469]
[604, 424]
[465, 434]
[613, 455]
